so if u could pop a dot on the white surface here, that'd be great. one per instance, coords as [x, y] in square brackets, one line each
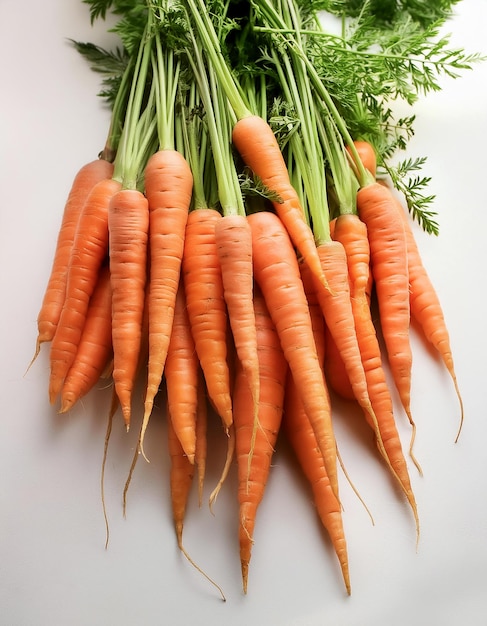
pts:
[53, 566]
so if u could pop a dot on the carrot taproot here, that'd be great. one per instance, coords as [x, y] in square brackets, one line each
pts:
[234, 248]
[366, 153]
[276, 271]
[128, 223]
[426, 307]
[95, 346]
[385, 229]
[299, 433]
[206, 307]
[259, 149]
[182, 374]
[54, 295]
[201, 446]
[168, 186]
[181, 475]
[88, 252]
[254, 443]
[335, 371]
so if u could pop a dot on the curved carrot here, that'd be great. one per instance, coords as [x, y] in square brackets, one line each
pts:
[55, 292]
[258, 147]
[128, 222]
[206, 307]
[277, 274]
[377, 208]
[89, 250]
[254, 445]
[426, 308]
[233, 239]
[168, 187]
[95, 346]
[182, 374]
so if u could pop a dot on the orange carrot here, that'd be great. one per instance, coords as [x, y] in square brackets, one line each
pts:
[277, 274]
[254, 445]
[377, 208]
[201, 447]
[234, 247]
[206, 307]
[258, 147]
[335, 372]
[299, 433]
[128, 222]
[367, 155]
[168, 187]
[89, 251]
[53, 301]
[95, 346]
[182, 373]
[426, 307]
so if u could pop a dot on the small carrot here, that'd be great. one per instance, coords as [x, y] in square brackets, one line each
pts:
[254, 444]
[84, 181]
[377, 208]
[278, 276]
[95, 346]
[168, 186]
[182, 374]
[128, 222]
[206, 307]
[89, 251]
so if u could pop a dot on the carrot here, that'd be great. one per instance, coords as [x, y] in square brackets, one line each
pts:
[182, 374]
[277, 274]
[95, 346]
[377, 208]
[234, 247]
[254, 446]
[201, 446]
[335, 372]
[128, 221]
[426, 307]
[84, 181]
[168, 186]
[366, 154]
[258, 147]
[89, 250]
[297, 428]
[206, 307]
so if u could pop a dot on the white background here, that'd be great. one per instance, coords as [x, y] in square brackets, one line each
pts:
[54, 568]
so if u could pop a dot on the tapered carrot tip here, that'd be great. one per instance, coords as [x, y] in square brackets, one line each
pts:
[245, 574]
[67, 402]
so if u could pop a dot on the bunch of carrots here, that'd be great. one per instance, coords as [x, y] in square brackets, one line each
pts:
[232, 257]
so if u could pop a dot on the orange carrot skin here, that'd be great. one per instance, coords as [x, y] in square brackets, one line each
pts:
[95, 347]
[86, 178]
[335, 372]
[168, 188]
[206, 307]
[377, 208]
[297, 428]
[254, 456]
[234, 247]
[128, 222]
[89, 251]
[367, 155]
[182, 378]
[180, 478]
[258, 147]
[277, 273]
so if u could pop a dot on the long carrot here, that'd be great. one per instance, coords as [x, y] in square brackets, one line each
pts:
[95, 346]
[426, 308]
[255, 444]
[84, 181]
[89, 250]
[277, 274]
[182, 378]
[377, 208]
[206, 307]
[168, 186]
[128, 222]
